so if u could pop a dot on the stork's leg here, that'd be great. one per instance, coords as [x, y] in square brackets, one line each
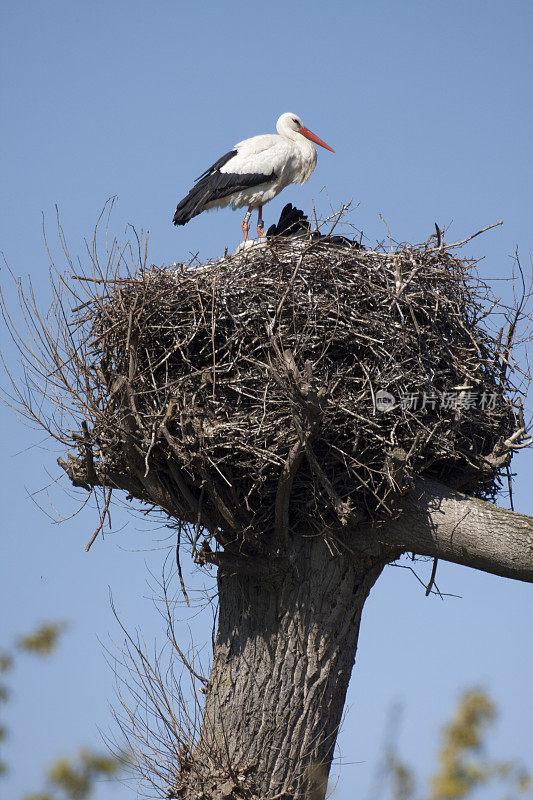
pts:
[244, 225]
[260, 223]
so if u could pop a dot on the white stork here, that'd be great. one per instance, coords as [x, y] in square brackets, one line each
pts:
[254, 172]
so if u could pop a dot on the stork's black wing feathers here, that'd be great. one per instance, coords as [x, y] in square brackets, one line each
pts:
[291, 222]
[215, 185]
[216, 166]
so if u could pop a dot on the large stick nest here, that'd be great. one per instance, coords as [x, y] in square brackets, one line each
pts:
[246, 395]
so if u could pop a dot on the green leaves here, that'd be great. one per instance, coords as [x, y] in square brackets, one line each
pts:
[75, 779]
[43, 641]
[66, 779]
[462, 763]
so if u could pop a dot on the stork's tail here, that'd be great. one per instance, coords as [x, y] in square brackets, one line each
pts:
[190, 206]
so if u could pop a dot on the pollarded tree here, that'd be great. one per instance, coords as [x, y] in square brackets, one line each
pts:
[303, 412]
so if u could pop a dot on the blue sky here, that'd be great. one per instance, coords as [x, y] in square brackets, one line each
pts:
[429, 108]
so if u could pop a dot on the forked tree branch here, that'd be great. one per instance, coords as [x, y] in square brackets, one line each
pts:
[442, 523]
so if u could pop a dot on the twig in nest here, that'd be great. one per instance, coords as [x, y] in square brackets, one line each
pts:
[469, 238]
[213, 334]
[344, 511]
[89, 461]
[432, 578]
[283, 493]
[178, 564]
[150, 448]
[102, 520]
[512, 326]
[501, 453]
[510, 487]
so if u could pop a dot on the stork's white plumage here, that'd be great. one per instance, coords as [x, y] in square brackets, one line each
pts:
[254, 172]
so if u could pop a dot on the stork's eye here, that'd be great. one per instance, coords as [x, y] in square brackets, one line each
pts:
[297, 121]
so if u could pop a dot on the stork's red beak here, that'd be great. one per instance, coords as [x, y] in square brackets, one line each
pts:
[314, 138]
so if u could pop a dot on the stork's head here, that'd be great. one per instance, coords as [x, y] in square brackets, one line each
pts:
[290, 124]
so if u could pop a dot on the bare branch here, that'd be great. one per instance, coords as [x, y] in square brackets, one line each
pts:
[439, 522]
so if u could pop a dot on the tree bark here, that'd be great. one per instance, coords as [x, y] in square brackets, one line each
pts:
[286, 644]
[281, 666]
[443, 523]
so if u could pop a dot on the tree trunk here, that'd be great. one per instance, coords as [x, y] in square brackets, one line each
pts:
[283, 656]
[286, 644]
